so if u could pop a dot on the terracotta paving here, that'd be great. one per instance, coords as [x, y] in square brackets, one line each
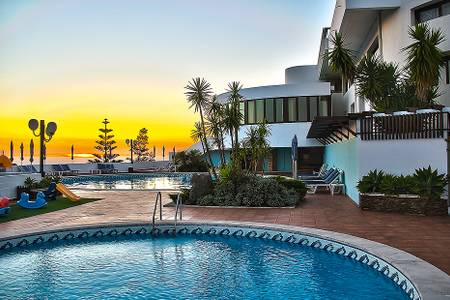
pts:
[425, 237]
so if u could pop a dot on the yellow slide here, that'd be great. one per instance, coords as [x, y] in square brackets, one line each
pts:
[66, 192]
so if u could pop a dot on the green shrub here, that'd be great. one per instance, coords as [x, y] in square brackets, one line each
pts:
[30, 183]
[388, 185]
[428, 183]
[404, 184]
[45, 182]
[291, 184]
[371, 183]
[201, 186]
[184, 196]
[191, 161]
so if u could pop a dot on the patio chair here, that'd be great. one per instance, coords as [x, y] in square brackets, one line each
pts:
[68, 169]
[107, 168]
[319, 173]
[333, 181]
[319, 176]
[55, 170]
[26, 203]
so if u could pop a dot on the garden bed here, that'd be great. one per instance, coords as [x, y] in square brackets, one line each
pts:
[404, 204]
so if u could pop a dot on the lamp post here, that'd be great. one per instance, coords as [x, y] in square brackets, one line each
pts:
[130, 143]
[45, 135]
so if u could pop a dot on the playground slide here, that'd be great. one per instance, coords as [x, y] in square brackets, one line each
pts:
[66, 192]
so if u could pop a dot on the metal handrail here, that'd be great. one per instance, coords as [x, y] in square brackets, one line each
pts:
[158, 200]
[179, 207]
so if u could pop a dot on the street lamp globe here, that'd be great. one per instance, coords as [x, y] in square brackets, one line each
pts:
[51, 129]
[33, 124]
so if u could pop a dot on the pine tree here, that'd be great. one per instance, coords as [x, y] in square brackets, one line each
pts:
[140, 146]
[105, 145]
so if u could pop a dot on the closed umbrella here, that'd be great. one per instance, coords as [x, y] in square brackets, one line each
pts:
[173, 153]
[154, 152]
[21, 153]
[11, 151]
[163, 151]
[31, 151]
[71, 153]
[294, 154]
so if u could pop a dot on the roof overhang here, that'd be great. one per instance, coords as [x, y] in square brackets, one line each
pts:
[328, 130]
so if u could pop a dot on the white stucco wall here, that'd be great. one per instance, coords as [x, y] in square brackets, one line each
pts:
[9, 183]
[301, 74]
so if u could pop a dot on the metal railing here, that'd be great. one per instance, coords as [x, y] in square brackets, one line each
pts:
[178, 210]
[414, 126]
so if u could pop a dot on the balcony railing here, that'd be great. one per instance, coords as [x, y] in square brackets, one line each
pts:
[401, 127]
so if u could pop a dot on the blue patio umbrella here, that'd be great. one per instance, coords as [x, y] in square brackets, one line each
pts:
[31, 151]
[294, 152]
[11, 151]
[21, 153]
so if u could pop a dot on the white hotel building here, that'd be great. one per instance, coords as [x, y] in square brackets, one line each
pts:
[327, 118]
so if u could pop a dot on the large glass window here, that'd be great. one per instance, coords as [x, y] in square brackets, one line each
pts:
[313, 103]
[302, 109]
[270, 111]
[279, 113]
[242, 110]
[433, 11]
[292, 109]
[447, 70]
[259, 111]
[251, 112]
[323, 106]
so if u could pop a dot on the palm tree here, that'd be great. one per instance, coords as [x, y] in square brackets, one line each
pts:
[424, 59]
[256, 144]
[198, 93]
[197, 134]
[234, 115]
[340, 58]
[215, 125]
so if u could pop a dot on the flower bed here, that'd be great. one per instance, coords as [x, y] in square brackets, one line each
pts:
[404, 204]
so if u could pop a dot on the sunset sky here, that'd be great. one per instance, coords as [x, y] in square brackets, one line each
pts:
[77, 62]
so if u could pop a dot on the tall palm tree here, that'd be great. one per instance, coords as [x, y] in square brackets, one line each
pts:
[215, 125]
[340, 58]
[198, 93]
[234, 114]
[424, 58]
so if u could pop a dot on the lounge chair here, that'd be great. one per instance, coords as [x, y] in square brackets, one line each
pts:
[319, 176]
[107, 168]
[50, 193]
[69, 171]
[333, 181]
[319, 173]
[26, 203]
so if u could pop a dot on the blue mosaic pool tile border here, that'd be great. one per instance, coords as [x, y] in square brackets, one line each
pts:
[293, 237]
[121, 176]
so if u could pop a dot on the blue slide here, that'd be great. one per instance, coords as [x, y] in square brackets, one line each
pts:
[26, 203]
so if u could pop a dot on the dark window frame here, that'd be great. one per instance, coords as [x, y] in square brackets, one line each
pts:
[447, 69]
[437, 5]
[285, 113]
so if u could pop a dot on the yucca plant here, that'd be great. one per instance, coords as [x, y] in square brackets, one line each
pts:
[424, 58]
[30, 183]
[340, 58]
[428, 183]
[404, 184]
[371, 183]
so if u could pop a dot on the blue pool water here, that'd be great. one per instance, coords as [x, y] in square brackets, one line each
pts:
[133, 181]
[187, 267]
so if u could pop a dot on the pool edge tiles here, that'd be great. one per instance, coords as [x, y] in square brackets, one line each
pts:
[435, 285]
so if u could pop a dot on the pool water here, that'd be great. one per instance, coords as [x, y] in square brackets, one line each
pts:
[187, 267]
[133, 181]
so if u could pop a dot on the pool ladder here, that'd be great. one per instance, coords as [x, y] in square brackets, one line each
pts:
[178, 210]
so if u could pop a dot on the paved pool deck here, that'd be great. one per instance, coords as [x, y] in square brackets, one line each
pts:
[425, 237]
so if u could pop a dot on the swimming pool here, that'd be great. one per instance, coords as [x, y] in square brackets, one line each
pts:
[130, 181]
[211, 262]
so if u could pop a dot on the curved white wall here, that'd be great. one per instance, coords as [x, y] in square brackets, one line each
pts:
[301, 74]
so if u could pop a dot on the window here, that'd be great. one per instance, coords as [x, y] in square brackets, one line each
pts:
[433, 11]
[251, 112]
[259, 111]
[279, 114]
[270, 111]
[313, 107]
[292, 109]
[447, 70]
[242, 110]
[303, 109]
[324, 106]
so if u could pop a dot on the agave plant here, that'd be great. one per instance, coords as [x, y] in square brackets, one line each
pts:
[428, 183]
[388, 184]
[371, 183]
[424, 58]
